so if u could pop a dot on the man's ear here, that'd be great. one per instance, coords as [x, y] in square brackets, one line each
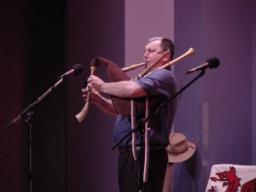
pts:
[166, 56]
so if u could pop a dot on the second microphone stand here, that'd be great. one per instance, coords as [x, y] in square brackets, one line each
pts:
[202, 72]
[156, 113]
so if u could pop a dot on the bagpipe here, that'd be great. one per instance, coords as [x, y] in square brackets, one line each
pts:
[115, 74]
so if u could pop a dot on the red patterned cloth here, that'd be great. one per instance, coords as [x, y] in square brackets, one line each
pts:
[232, 178]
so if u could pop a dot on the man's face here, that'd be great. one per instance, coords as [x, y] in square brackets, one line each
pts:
[153, 52]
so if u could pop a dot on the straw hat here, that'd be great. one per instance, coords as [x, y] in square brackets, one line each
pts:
[179, 149]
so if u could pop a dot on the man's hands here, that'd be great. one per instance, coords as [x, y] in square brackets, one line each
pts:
[94, 96]
[95, 83]
[94, 88]
[123, 89]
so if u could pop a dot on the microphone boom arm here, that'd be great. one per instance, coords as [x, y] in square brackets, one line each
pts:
[33, 104]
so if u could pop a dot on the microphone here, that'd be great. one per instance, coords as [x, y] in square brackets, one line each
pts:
[76, 69]
[213, 62]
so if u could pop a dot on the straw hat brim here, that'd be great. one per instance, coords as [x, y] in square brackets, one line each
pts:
[173, 158]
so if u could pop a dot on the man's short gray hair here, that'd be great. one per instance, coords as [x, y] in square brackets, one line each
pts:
[166, 44]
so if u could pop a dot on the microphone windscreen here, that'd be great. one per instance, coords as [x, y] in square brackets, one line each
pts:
[213, 62]
[78, 68]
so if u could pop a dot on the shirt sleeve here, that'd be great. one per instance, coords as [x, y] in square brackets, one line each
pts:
[160, 82]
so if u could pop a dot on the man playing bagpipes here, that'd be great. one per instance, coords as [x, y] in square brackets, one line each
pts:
[144, 94]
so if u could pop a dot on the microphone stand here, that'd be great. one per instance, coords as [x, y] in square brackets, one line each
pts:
[27, 113]
[155, 114]
[202, 72]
